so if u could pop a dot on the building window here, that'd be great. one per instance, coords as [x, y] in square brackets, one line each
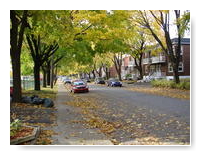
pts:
[170, 67]
[181, 50]
[158, 68]
[175, 49]
[146, 69]
[180, 67]
[152, 69]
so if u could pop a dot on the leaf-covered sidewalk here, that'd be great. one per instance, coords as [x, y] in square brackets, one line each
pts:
[71, 127]
[36, 115]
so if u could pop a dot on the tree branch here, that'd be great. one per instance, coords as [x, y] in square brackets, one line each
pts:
[83, 30]
[22, 28]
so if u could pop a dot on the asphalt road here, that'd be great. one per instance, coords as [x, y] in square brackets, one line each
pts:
[141, 115]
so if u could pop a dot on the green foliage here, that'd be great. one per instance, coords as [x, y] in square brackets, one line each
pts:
[15, 126]
[26, 63]
[128, 75]
[83, 34]
[184, 84]
[184, 22]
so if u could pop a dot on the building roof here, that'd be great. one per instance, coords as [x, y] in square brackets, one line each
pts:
[184, 41]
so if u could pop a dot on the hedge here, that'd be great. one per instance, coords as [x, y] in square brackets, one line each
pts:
[184, 84]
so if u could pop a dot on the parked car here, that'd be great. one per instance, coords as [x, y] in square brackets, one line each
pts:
[67, 81]
[99, 80]
[11, 91]
[85, 79]
[79, 86]
[114, 82]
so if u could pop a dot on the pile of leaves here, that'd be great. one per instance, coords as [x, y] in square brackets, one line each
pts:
[22, 132]
[169, 92]
[91, 119]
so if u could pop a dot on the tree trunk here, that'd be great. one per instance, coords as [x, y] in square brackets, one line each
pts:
[44, 78]
[119, 74]
[37, 76]
[118, 69]
[141, 73]
[139, 65]
[48, 73]
[93, 72]
[52, 74]
[176, 73]
[88, 75]
[16, 40]
[118, 65]
[16, 78]
[55, 73]
[100, 71]
[106, 70]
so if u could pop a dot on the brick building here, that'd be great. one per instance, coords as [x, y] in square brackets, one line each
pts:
[157, 66]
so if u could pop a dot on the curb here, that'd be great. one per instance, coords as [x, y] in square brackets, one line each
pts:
[30, 138]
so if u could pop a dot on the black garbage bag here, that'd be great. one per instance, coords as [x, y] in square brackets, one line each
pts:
[48, 102]
[34, 96]
[37, 101]
[10, 99]
[26, 99]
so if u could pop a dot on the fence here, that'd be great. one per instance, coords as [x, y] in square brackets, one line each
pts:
[26, 84]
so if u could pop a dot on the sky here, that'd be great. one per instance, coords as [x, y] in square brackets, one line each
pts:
[173, 32]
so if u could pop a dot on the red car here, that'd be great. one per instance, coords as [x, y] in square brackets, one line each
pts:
[79, 86]
[11, 91]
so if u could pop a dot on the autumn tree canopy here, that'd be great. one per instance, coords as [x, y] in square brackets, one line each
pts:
[86, 37]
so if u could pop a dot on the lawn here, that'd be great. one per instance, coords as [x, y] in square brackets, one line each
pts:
[43, 93]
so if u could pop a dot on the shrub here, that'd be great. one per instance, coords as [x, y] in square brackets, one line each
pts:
[15, 126]
[184, 84]
[128, 76]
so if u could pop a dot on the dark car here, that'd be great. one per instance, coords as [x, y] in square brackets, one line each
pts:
[79, 86]
[114, 82]
[86, 79]
[99, 80]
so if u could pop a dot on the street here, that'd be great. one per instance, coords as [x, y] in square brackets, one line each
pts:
[120, 116]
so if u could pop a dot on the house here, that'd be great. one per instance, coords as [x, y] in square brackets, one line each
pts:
[184, 66]
[157, 66]
[128, 67]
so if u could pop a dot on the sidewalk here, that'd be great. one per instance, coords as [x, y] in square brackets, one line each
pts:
[70, 128]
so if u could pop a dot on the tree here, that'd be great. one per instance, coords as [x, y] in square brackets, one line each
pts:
[18, 24]
[138, 46]
[155, 21]
[117, 60]
[40, 52]
[46, 69]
